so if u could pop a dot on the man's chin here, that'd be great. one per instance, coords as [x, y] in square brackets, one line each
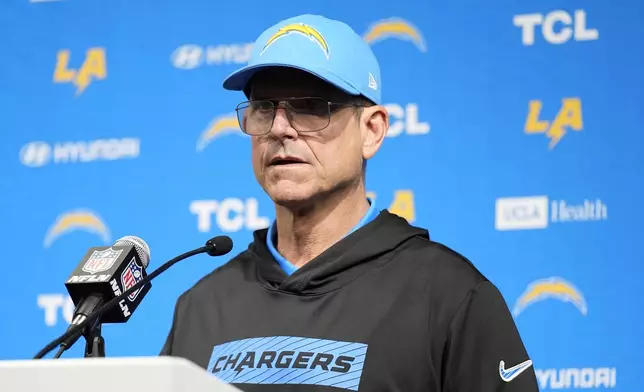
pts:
[291, 195]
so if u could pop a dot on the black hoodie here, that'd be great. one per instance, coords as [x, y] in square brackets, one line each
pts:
[384, 309]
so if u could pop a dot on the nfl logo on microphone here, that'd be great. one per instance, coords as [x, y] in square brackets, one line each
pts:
[101, 260]
[132, 275]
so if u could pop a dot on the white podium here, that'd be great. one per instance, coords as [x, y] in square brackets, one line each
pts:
[150, 374]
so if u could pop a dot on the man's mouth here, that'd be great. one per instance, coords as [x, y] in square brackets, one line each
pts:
[280, 161]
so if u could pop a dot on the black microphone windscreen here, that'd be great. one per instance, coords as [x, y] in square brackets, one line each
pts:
[219, 245]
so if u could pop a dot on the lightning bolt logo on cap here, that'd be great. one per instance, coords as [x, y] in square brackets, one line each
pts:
[77, 220]
[550, 288]
[395, 28]
[222, 125]
[302, 29]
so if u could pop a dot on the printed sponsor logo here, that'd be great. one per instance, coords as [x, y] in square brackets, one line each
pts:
[550, 288]
[574, 27]
[301, 29]
[54, 306]
[289, 360]
[132, 275]
[577, 378]
[220, 126]
[569, 117]
[516, 213]
[524, 213]
[101, 260]
[372, 82]
[80, 219]
[510, 374]
[231, 214]
[35, 154]
[39, 153]
[405, 120]
[94, 67]
[190, 56]
[397, 28]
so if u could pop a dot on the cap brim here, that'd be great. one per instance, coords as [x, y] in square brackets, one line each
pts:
[238, 80]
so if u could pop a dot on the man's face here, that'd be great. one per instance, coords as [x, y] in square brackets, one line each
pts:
[295, 167]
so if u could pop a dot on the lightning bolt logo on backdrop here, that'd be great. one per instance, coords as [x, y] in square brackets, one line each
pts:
[551, 288]
[569, 117]
[94, 67]
[302, 29]
[74, 220]
[289, 360]
[395, 28]
[220, 126]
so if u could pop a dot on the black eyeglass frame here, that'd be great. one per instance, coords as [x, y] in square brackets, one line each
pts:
[281, 102]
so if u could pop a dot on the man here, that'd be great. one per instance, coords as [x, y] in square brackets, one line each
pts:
[336, 294]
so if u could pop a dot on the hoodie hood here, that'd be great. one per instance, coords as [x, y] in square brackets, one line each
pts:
[366, 248]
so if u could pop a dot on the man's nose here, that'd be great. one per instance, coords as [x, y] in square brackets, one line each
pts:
[281, 125]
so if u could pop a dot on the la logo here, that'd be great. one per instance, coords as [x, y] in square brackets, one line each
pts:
[568, 117]
[94, 67]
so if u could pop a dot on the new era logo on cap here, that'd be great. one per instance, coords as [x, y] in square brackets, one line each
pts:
[372, 82]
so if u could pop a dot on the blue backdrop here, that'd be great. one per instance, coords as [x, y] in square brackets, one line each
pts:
[516, 139]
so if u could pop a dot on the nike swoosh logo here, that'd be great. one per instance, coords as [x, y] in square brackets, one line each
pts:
[513, 372]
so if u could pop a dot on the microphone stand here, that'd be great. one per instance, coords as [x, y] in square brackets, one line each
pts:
[94, 342]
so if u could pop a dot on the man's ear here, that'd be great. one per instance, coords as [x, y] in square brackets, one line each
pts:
[374, 124]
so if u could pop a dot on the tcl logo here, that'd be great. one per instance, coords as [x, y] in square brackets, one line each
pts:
[54, 306]
[230, 215]
[405, 120]
[557, 27]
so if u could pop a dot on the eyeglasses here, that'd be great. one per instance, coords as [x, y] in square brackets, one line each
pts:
[305, 114]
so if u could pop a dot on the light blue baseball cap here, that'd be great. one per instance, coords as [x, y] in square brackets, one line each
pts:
[326, 48]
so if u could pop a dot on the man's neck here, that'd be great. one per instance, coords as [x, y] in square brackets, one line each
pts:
[303, 236]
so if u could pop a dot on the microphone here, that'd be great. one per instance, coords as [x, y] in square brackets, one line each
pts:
[103, 274]
[216, 246]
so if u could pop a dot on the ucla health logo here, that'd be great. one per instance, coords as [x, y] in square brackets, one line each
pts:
[537, 212]
[289, 360]
[396, 28]
[220, 126]
[81, 219]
